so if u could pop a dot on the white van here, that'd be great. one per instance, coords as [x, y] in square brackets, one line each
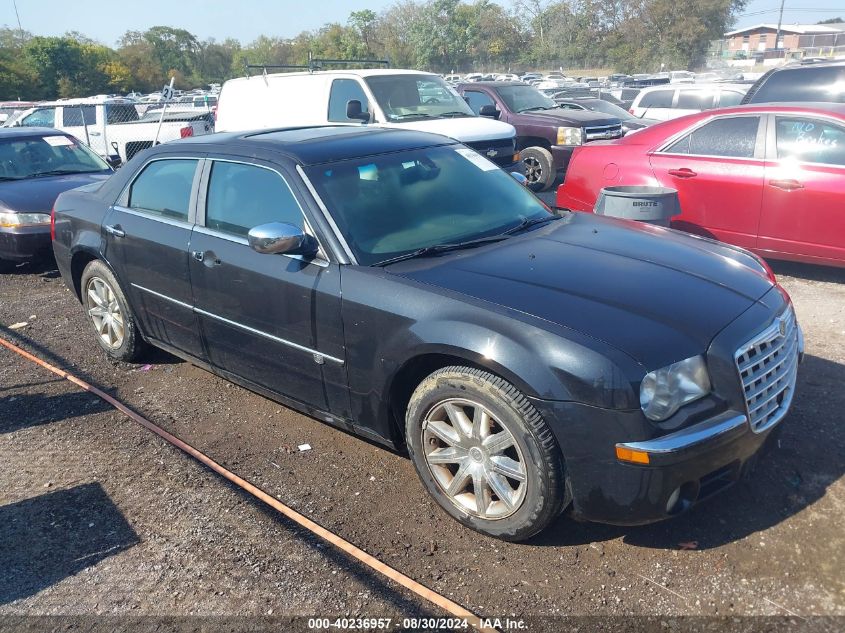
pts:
[406, 99]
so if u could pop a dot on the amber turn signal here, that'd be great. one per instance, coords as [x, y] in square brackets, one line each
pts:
[628, 455]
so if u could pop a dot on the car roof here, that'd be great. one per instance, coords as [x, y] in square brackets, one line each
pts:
[11, 132]
[361, 72]
[316, 144]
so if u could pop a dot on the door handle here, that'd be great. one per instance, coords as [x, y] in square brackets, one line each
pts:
[786, 184]
[208, 257]
[683, 172]
[114, 230]
[94, 134]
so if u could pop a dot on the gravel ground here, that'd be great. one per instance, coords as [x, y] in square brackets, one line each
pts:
[99, 517]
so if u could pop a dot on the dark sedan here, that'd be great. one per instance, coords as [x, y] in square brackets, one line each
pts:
[400, 286]
[36, 165]
[630, 123]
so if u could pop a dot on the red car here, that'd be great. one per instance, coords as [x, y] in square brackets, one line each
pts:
[769, 178]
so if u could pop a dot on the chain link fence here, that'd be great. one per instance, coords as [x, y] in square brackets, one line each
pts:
[117, 129]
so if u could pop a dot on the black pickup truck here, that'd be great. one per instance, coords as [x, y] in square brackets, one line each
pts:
[546, 134]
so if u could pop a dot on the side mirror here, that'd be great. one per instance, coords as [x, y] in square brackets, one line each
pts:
[114, 161]
[281, 238]
[489, 110]
[354, 111]
[520, 178]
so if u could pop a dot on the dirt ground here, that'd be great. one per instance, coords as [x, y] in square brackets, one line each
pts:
[100, 518]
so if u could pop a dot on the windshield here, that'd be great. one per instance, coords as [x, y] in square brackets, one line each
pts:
[406, 97]
[46, 155]
[520, 98]
[393, 204]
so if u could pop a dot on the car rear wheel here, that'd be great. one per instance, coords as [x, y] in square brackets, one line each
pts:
[109, 314]
[539, 167]
[484, 453]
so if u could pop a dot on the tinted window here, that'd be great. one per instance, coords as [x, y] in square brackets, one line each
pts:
[810, 140]
[40, 118]
[164, 188]
[734, 137]
[478, 99]
[730, 98]
[695, 100]
[74, 116]
[120, 113]
[657, 99]
[241, 197]
[803, 84]
[344, 91]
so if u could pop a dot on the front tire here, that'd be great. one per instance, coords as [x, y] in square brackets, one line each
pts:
[484, 453]
[109, 313]
[539, 168]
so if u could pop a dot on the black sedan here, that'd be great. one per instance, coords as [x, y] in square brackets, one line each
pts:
[400, 286]
[630, 123]
[36, 165]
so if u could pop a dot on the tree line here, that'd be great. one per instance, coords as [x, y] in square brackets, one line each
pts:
[436, 35]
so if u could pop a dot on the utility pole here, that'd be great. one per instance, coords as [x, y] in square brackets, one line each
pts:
[780, 21]
[18, 16]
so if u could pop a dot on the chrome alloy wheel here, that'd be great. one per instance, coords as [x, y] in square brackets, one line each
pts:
[533, 169]
[105, 312]
[474, 459]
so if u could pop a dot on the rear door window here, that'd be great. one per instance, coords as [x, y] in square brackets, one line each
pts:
[810, 140]
[730, 98]
[241, 197]
[77, 116]
[164, 188]
[695, 100]
[342, 92]
[120, 113]
[733, 137]
[657, 99]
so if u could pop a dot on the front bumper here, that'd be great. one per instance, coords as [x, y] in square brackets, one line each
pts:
[561, 155]
[685, 468]
[24, 243]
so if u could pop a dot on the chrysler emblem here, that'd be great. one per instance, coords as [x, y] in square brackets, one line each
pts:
[491, 153]
[782, 327]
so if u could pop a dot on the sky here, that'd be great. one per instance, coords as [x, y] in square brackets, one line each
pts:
[106, 21]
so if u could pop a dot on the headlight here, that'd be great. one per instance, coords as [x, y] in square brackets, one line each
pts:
[666, 390]
[9, 219]
[569, 136]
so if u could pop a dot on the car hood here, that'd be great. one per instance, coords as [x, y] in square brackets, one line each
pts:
[656, 294]
[561, 116]
[465, 129]
[37, 195]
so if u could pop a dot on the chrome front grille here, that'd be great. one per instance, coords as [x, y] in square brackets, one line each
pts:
[768, 367]
[602, 132]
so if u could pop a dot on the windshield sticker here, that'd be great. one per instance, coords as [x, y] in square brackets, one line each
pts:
[58, 141]
[476, 159]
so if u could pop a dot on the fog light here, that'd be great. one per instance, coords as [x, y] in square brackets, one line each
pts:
[628, 455]
[673, 500]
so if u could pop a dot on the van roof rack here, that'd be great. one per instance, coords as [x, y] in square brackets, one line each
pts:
[315, 64]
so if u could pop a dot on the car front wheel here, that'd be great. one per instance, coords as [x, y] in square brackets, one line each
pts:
[539, 167]
[109, 314]
[484, 453]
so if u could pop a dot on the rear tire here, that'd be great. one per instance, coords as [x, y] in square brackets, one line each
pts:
[109, 313]
[539, 168]
[484, 453]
